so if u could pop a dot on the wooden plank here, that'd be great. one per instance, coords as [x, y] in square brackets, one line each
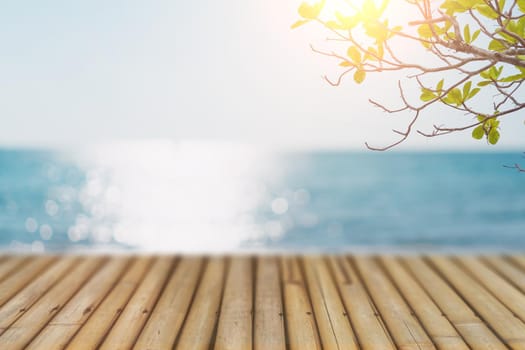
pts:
[512, 273]
[20, 333]
[299, 319]
[367, 324]
[402, 324]
[21, 277]
[269, 313]
[128, 326]
[10, 263]
[72, 316]
[510, 329]
[87, 303]
[333, 325]
[235, 321]
[166, 319]
[25, 298]
[102, 319]
[519, 260]
[476, 334]
[440, 330]
[505, 292]
[200, 324]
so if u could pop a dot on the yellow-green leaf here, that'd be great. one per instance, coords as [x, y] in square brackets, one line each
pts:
[513, 78]
[466, 88]
[466, 34]
[493, 136]
[424, 31]
[521, 5]
[427, 95]
[478, 132]
[299, 23]
[486, 11]
[475, 35]
[496, 45]
[439, 86]
[454, 97]
[370, 10]
[309, 11]
[354, 54]
[359, 76]
[473, 93]
[346, 22]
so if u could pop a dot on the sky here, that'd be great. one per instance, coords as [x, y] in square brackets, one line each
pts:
[83, 72]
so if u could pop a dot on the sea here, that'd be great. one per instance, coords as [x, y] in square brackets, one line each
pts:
[193, 197]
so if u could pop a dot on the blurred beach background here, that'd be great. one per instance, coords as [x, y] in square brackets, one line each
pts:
[206, 126]
[211, 197]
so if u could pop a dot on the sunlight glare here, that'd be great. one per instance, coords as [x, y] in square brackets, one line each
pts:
[165, 196]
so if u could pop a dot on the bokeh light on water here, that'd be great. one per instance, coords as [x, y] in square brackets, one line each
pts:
[205, 197]
[156, 195]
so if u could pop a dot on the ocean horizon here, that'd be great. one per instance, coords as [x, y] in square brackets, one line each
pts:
[167, 197]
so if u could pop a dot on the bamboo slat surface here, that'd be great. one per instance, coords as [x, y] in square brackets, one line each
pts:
[262, 302]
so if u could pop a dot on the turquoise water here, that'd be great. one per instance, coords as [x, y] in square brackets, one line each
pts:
[171, 197]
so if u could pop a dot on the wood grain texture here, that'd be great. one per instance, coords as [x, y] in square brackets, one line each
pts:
[20, 333]
[370, 330]
[475, 332]
[334, 328]
[404, 327]
[93, 331]
[269, 313]
[509, 328]
[301, 327]
[199, 327]
[440, 330]
[236, 317]
[138, 309]
[167, 317]
[262, 302]
[57, 333]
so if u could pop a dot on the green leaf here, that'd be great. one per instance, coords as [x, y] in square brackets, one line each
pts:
[354, 54]
[496, 45]
[453, 6]
[299, 23]
[493, 136]
[478, 132]
[466, 34]
[466, 89]
[484, 83]
[513, 78]
[439, 86]
[475, 35]
[454, 97]
[508, 38]
[359, 76]
[427, 95]
[520, 29]
[473, 93]
[486, 11]
[521, 5]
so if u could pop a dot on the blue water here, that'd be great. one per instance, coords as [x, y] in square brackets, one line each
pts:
[183, 199]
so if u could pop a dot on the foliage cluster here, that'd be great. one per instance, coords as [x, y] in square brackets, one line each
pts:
[483, 41]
